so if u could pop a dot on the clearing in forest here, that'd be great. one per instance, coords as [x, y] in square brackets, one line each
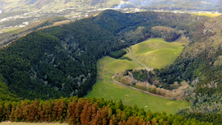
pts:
[156, 53]
[107, 89]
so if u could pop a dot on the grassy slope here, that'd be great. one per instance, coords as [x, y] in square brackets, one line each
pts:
[120, 65]
[156, 53]
[151, 44]
[105, 88]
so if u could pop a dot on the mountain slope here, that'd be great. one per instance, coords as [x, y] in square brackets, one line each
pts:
[201, 58]
[50, 5]
[200, 66]
[45, 64]
[61, 61]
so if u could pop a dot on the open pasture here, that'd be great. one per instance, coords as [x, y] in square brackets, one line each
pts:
[107, 89]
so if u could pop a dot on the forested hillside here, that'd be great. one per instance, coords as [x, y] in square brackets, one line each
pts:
[53, 63]
[199, 65]
[61, 61]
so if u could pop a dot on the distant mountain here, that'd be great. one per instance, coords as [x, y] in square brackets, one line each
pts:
[19, 13]
[51, 5]
[16, 13]
[175, 2]
[201, 5]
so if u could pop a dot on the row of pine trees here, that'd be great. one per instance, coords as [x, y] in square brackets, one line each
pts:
[86, 111]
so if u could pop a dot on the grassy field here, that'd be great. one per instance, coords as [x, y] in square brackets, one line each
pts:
[212, 15]
[105, 88]
[120, 65]
[156, 53]
[159, 58]
[150, 45]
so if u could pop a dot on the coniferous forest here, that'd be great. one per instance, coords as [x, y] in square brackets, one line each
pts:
[61, 61]
[86, 111]
[52, 65]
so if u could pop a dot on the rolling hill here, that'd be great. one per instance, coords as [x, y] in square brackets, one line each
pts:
[43, 61]
[201, 5]
[50, 5]
[61, 62]
[200, 66]
[156, 53]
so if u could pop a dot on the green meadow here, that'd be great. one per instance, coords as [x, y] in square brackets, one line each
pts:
[107, 89]
[156, 53]
[150, 45]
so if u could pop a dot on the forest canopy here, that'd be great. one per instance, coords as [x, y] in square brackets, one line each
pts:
[61, 61]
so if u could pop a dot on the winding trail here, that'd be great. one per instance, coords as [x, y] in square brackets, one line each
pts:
[148, 69]
[131, 54]
[140, 89]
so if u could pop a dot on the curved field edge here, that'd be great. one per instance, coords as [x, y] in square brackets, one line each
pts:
[107, 89]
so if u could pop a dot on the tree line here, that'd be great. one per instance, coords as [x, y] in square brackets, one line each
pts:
[86, 111]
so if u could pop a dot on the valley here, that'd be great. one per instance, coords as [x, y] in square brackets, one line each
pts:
[109, 90]
[18, 14]
[69, 68]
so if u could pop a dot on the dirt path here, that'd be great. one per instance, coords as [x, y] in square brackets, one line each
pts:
[139, 89]
[149, 69]
[131, 54]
